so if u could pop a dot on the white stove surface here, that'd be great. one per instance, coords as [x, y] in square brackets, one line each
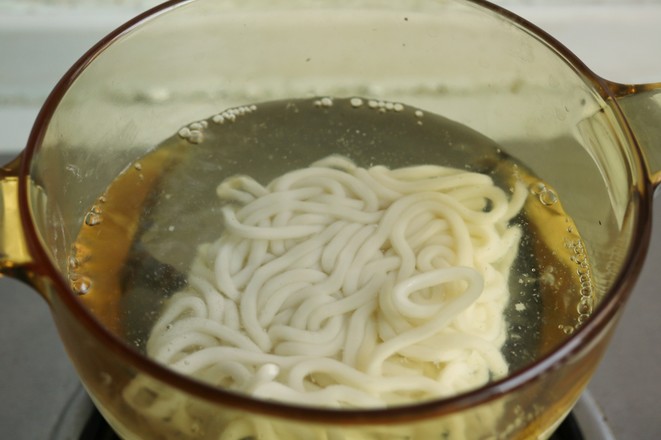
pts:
[618, 39]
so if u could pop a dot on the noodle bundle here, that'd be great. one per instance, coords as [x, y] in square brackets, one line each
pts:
[341, 286]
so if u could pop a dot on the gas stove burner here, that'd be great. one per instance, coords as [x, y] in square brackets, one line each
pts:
[80, 420]
[97, 428]
[568, 430]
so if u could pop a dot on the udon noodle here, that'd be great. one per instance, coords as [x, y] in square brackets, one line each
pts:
[341, 286]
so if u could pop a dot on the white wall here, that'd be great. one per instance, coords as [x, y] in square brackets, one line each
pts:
[40, 39]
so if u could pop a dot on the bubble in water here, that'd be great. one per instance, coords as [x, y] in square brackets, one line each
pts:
[323, 102]
[80, 284]
[73, 263]
[356, 102]
[538, 188]
[584, 307]
[566, 329]
[194, 132]
[545, 194]
[77, 256]
[548, 197]
[228, 115]
[384, 106]
[93, 218]
[196, 137]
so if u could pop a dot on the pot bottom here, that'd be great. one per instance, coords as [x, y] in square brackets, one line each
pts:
[80, 420]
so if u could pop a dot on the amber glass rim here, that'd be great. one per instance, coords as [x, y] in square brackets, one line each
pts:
[603, 315]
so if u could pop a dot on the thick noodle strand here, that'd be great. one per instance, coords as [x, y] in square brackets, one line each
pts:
[342, 286]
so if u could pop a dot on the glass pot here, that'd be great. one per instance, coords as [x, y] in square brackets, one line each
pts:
[595, 144]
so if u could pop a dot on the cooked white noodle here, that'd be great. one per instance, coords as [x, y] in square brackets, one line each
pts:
[342, 286]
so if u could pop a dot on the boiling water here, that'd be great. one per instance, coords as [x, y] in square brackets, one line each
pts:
[138, 240]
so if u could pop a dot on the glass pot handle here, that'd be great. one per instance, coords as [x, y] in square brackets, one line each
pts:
[641, 105]
[15, 258]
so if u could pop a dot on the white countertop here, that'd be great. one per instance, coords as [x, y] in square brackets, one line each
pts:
[620, 41]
